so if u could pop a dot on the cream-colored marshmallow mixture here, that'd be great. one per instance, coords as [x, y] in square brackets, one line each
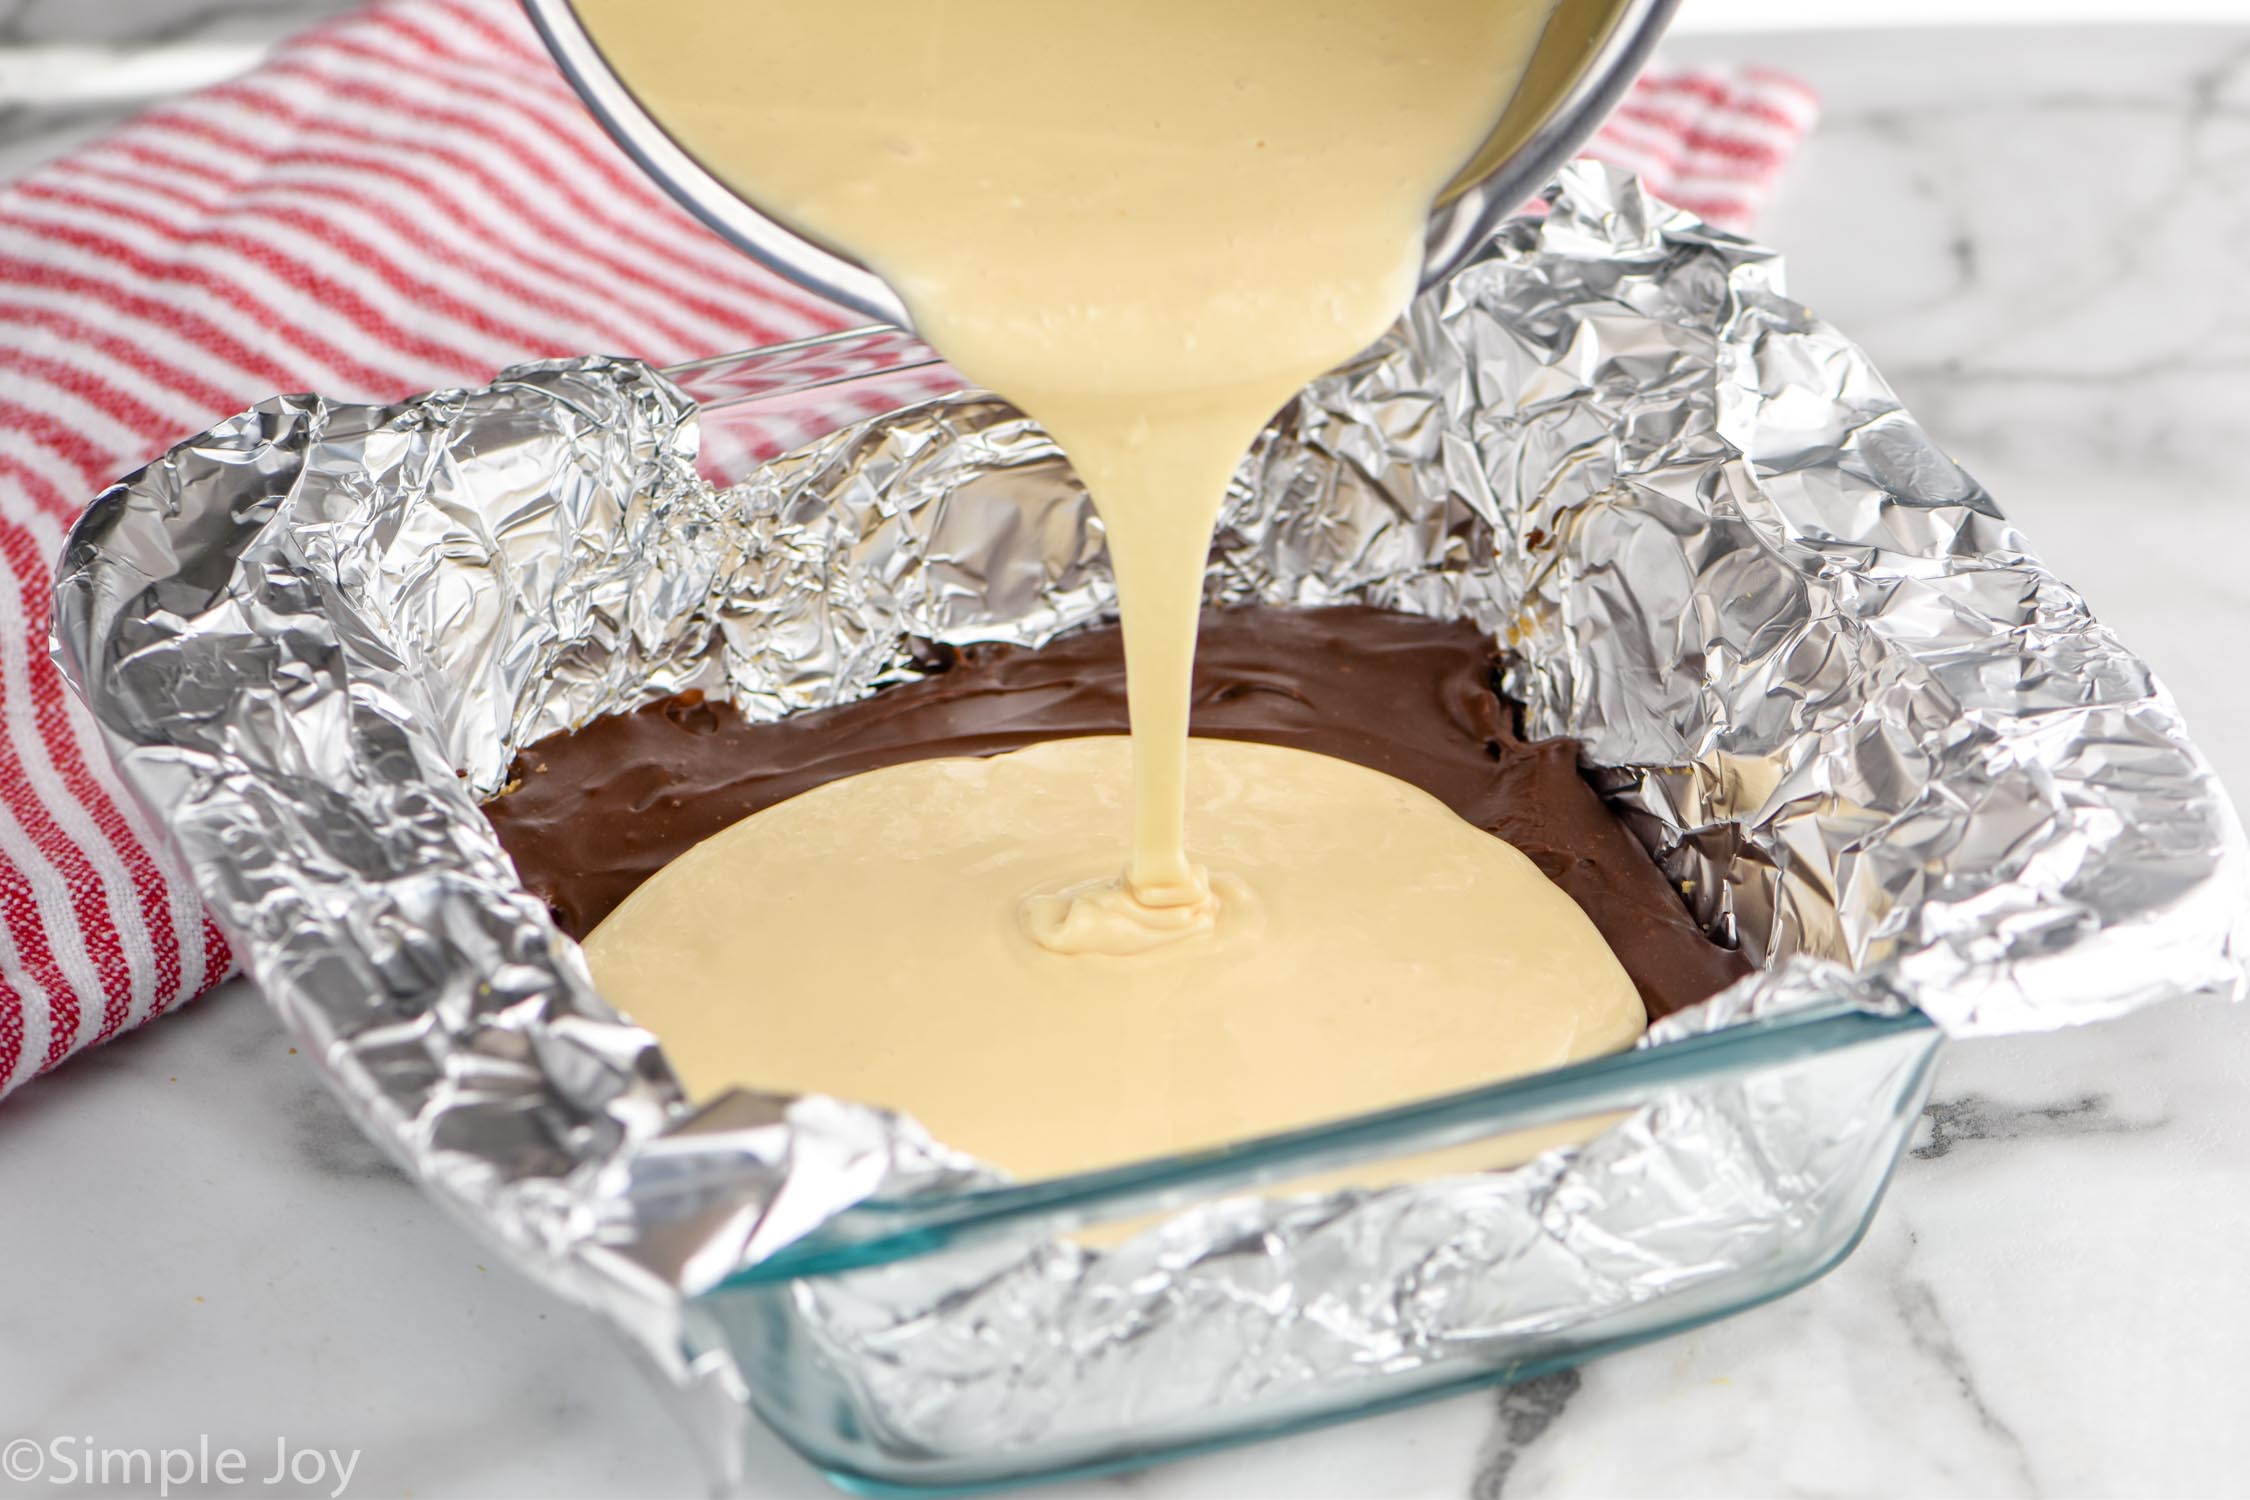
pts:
[864, 938]
[1147, 224]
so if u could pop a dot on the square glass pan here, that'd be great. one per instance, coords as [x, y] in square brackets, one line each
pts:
[869, 1346]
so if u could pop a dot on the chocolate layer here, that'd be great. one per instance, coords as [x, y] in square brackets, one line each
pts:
[593, 813]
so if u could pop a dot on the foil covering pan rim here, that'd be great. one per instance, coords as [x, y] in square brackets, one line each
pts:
[1872, 736]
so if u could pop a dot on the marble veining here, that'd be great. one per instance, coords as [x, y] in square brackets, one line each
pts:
[1954, 1122]
[2037, 232]
[1522, 1416]
[1928, 1334]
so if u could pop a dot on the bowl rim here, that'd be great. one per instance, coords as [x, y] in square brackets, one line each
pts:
[1609, 55]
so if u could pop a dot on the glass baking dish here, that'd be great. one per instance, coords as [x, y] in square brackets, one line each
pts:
[841, 1359]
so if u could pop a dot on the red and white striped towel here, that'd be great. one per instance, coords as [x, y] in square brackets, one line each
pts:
[405, 198]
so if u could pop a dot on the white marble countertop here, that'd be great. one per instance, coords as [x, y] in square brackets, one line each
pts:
[2039, 234]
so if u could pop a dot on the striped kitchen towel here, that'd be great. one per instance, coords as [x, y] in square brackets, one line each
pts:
[404, 198]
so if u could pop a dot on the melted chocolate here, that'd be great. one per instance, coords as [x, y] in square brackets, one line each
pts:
[594, 812]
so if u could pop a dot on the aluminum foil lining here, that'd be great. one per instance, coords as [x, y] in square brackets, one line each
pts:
[1870, 735]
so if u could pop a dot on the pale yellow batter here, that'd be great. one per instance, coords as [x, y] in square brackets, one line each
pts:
[1148, 224]
[1390, 958]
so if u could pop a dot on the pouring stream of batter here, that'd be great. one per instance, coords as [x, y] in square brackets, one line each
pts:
[1146, 224]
